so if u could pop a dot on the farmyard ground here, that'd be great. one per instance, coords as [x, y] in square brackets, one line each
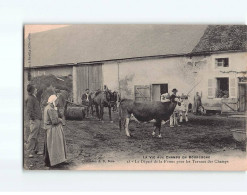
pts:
[91, 141]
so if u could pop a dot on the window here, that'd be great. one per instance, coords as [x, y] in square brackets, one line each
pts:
[222, 62]
[222, 90]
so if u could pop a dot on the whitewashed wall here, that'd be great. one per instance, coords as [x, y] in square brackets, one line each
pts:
[173, 71]
[208, 70]
[179, 72]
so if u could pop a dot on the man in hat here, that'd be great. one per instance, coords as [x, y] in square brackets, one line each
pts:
[34, 115]
[87, 101]
[173, 117]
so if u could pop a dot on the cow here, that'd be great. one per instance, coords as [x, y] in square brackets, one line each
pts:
[146, 111]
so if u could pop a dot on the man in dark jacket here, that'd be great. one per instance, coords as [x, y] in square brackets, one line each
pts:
[35, 116]
[173, 117]
[86, 100]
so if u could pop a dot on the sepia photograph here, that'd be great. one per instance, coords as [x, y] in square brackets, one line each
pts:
[134, 97]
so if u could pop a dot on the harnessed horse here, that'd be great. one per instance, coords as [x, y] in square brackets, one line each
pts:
[103, 99]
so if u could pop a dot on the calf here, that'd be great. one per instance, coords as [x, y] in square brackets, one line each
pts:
[145, 111]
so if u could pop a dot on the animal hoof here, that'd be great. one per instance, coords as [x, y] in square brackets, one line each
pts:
[153, 134]
[159, 136]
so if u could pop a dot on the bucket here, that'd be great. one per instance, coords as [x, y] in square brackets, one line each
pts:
[239, 135]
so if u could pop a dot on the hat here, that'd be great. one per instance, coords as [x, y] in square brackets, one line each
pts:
[52, 99]
[30, 88]
[87, 89]
[174, 90]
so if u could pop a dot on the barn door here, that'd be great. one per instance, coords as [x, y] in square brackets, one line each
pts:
[95, 77]
[86, 76]
[80, 82]
[142, 93]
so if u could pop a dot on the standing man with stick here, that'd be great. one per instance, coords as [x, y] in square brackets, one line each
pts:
[197, 103]
[35, 116]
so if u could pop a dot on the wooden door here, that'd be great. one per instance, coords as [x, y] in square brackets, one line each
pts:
[86, 76]
[142, 93]
[95, 77]
[156, 92]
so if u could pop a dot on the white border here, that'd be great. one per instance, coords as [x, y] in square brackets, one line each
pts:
[13, 14]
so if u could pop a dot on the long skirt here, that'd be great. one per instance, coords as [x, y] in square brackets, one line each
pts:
[55, 146]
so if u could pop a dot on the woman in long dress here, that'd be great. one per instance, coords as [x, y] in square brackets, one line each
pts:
[55, 146]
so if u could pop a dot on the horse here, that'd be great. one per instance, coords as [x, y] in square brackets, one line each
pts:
[103, 99]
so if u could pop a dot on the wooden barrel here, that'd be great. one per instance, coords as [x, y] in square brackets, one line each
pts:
[75, 113]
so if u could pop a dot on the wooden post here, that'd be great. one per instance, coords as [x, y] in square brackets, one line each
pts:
[88, 77]
[118, 78]
[75, 95]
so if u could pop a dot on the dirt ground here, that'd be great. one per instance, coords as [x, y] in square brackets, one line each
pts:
[90, 140]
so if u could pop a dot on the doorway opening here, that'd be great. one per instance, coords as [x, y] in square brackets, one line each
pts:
[222, 87]
[158, 90]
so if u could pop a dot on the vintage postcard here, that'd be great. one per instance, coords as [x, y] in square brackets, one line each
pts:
[134, 97]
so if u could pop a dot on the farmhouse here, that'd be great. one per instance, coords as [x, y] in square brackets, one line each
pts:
[144, 61]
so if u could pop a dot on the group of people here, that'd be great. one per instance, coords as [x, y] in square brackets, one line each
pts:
[54, 144]
[53, 118]
[181, 111]
[87, 100]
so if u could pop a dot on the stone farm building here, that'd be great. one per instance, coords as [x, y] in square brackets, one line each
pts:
[144, 61]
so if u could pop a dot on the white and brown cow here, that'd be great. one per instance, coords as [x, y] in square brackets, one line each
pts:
[145, 111]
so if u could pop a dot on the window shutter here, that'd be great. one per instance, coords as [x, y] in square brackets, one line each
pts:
[232, 91]
[210, 88]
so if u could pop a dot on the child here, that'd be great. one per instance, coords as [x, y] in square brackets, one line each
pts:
[183, 113]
